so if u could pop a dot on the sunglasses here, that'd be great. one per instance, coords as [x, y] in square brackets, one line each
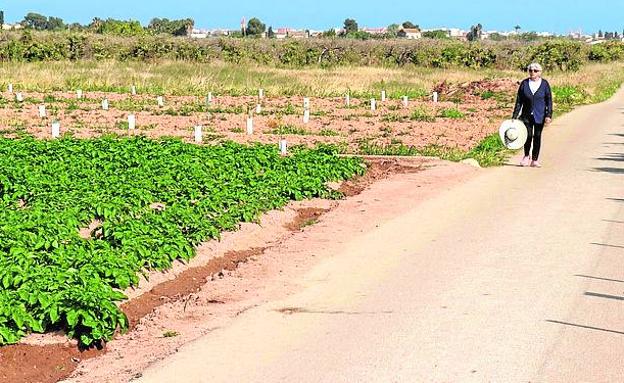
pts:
[534, 70]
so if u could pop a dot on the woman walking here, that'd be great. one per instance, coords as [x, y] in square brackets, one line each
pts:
[534, 107]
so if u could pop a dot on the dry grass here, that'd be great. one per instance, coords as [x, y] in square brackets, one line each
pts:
[177, 78]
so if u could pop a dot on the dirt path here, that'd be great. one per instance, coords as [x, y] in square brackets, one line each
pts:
[516, 275]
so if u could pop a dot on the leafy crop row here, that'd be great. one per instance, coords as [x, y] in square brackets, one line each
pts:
[149, 202]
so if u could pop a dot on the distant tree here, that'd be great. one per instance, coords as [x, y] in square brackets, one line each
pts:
[75, 27]
[236, 34]
[41, 23]
[359, 35]
[528, 36]
[410, 25]
[329, 33]
[393, 30]
[475, 32]
[350, 26]
[600, 35]
[437, 34]
[35, 21]
[517, 28]
[117, 27]
[497, 37]
[617, 35]
[255, 27]
[270, 33]
[183, 27]
[55, 24]
[1, 18]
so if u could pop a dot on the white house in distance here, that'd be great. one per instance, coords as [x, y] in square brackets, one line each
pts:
[11, 27]
[410, 33]
[199, 34]
[282, 33]
[374, 31]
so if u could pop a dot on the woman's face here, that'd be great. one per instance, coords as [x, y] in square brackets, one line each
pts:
[534, 74]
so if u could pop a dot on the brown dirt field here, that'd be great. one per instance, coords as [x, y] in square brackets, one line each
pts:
[49, 358]
[40, 364]
[330, 120]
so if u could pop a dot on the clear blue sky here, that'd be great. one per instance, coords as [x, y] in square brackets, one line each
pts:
[560, 16]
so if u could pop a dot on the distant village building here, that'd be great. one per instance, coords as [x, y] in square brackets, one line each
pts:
[199, 34]
[409, 33]
[374, 31]
[282, 33]
[11, 27]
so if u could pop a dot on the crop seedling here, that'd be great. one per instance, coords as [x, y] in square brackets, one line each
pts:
[451, 113]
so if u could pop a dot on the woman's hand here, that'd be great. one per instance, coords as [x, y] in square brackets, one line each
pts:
[548, 120]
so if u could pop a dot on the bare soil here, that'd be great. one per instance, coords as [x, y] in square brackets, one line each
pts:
[330, 121]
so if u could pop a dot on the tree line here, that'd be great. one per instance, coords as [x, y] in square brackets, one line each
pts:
[39, 22]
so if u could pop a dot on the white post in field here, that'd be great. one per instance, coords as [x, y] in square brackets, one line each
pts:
[42, 111]
[348, 100]
[405, 101]
[306, 116]
[131, 122]
[435, 96]
[373, 103]
[249, 125]
[383, 96]
[160, 101]
[56, 129]
[105, 104]
[283, 147]
[198, 134]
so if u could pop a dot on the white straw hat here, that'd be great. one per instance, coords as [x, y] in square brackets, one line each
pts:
[513, 133]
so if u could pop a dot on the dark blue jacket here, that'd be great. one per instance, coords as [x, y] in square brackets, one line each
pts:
[531, 106]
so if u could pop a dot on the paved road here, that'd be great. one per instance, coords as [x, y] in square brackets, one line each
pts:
[514, 276]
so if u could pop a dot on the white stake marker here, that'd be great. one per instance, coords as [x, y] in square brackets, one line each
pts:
[133, 90]
[306, 103]
[373, 104]
[131, 122]
[105, 104]
[56, 129]
[306, 116]
[160, 101]
[283, 146]
[19, 97]
[79, 93]
[348, 100]
[209, 98]
[198, 134]
[42, 111]
[10, 88]
[258, 109]
[405, 101]
[435, 96]
[249, 125]
[261, 93]
[383, 96]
